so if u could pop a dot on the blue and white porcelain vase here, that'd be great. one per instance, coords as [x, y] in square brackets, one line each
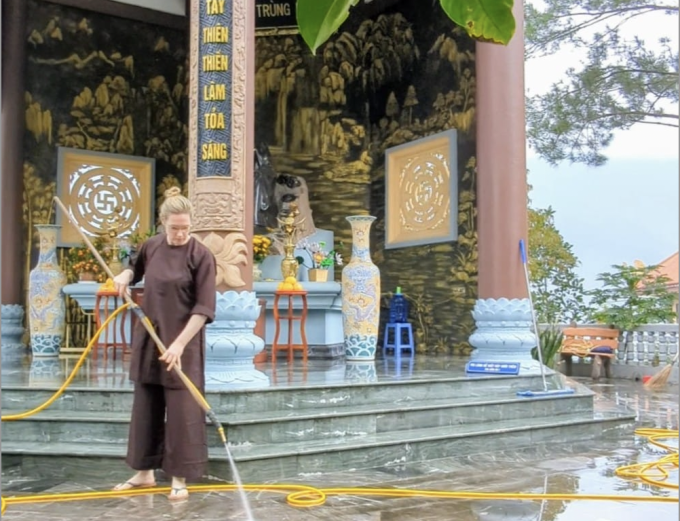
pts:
[360, 294]
[361, 372]
[46, 301]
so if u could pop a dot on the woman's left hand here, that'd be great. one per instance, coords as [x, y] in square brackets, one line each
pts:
[173, 356]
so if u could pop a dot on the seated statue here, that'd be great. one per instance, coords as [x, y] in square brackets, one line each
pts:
[273, 196]
[291, 189]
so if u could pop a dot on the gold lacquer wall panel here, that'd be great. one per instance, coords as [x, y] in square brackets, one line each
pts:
[101, 189]
[394, 74]
[421, 191]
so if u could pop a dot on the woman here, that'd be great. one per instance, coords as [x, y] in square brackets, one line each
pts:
[179, 299]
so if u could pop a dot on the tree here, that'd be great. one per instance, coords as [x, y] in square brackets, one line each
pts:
[632, 296]
[410, 102]
[557, 291]
[392, 108]
[623, 81]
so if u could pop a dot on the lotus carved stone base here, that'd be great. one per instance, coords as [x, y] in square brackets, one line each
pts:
[231, 343]
[504, 333]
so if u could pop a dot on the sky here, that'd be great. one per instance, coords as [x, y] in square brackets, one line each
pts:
[623, 211]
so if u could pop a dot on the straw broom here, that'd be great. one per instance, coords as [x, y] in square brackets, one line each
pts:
[661, 378]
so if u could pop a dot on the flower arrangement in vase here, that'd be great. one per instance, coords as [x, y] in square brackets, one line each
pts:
[82, 265]
[261, 249]
[322, 260]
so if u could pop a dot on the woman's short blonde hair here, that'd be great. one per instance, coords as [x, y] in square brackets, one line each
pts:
[175, 203]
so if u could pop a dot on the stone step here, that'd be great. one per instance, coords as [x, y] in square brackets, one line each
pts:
[286, 398]
[53, 425]
[316, 424]
[277, 461]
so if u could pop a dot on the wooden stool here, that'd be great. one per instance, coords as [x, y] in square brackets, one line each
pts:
[107, 302]
[291, 318]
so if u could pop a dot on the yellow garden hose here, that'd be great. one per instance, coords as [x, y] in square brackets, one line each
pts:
[308, 496]
[81, 360]
[656, 473]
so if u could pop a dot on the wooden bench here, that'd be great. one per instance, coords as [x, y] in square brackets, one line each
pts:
[598, 343]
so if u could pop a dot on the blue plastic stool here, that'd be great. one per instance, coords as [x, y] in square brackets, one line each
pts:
[398, 343]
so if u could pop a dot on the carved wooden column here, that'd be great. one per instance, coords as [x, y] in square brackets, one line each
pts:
[502, 311]
[221, 134]
[221, 162]
[13, 70]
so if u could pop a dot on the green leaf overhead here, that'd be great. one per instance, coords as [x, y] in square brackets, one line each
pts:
[483, 19]
[486, 20]
[319, 19]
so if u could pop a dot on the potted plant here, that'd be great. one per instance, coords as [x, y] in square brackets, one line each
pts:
[83, 266]
[551, 341]
[321, 259]
[261, 249]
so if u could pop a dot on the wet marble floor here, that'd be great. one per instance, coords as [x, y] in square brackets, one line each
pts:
[580, 468]
[20, 370]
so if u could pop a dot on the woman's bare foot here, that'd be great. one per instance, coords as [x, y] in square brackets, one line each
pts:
[143, 479]
[179, 490]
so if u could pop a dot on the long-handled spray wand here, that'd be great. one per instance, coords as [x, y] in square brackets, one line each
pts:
[200, 399]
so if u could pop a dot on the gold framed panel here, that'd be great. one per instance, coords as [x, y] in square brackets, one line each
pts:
[100, 189]
[421, 191]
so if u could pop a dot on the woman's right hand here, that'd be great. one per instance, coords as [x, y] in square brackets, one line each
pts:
[121, 282]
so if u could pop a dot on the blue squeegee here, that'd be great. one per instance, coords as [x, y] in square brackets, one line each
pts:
[545, 391]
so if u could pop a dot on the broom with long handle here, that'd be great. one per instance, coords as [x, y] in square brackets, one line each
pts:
[661, 378]
[148, 326]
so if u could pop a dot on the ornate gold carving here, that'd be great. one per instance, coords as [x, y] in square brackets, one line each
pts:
[239, 160]
[421, 192]
[423, 183]
[218, 211]
[231, 251]
[97, 188]
[289, 265]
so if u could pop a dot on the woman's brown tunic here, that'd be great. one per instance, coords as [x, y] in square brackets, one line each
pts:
[179, 281]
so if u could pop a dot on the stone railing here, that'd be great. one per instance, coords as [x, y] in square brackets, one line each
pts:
[643, 345]
[647, 343]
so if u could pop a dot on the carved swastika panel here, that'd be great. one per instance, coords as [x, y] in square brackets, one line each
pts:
[98, 188]
[421, 191]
